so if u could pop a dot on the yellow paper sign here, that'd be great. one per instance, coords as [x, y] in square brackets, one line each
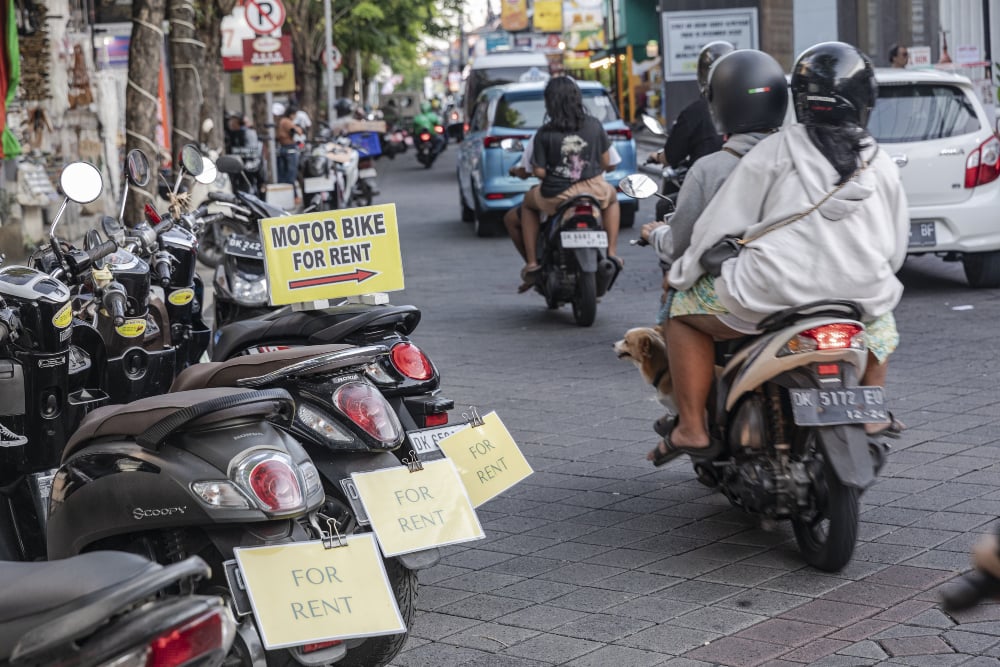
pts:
[548, 15]
[303, 592]
[269, 78]
[332, 254]
[487, 458]
[411, 511]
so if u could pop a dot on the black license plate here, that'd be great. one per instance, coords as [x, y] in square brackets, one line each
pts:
[922, 234]
[847, 405]
[241, 599]
[353, 497]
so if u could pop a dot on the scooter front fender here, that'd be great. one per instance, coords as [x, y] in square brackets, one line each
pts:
[587, 259]
[846, 449]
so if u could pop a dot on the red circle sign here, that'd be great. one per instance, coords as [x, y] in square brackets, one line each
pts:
[264, 16]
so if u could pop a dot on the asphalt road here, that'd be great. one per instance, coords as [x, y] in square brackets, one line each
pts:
[600, 559]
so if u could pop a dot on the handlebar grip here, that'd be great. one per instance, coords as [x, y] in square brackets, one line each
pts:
[223, 197]
[163, 226]
[102, 250]
[201, 211]
[162, 268]
[212, 219]
[114, 303]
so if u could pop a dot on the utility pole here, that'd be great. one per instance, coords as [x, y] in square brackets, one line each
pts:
[987, 54]
[328, 45]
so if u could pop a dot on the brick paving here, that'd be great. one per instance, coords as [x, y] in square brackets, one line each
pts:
[600, 559]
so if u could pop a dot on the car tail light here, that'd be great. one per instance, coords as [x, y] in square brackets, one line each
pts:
[425, 136]
[493, 141]
[271, 478]
[366, 407]
[836, 336]
[983, 164]
[192, 642]
[411, 361]
[151, 214]
[624, 134]
[494, 196]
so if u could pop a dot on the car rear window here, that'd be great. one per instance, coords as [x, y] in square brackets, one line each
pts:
[921, 112]
[527, 110]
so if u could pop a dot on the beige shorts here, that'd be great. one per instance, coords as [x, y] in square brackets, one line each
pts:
[597, 187]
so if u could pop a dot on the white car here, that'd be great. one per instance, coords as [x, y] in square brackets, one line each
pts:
[936, 130]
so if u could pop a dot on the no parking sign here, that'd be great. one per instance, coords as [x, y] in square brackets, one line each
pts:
[264, 16]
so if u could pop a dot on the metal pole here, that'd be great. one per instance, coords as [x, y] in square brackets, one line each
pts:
[987, 53]
[271, 149]
[328, 36]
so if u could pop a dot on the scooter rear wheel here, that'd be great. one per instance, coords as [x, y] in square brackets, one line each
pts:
[827, 540]
[585, 299]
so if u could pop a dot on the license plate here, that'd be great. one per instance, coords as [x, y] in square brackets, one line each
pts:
[829, 407]
[589, 239]
[923, 234]
[238, 588]
[353, 497]
[368, 173]
[317, 184]
[424, 442]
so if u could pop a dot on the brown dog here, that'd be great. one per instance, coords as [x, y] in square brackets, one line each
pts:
[645, 348]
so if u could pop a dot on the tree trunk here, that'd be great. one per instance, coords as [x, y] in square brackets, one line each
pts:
[141, 101]
[186, 61]
[210, 15]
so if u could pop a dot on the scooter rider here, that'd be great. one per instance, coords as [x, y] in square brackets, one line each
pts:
[825, 216]
[427, 119]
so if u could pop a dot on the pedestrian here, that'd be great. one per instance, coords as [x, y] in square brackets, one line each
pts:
[288, 150]
[899, 56]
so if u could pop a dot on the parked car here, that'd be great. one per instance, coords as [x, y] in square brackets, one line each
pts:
[514, 111]
[935, 128]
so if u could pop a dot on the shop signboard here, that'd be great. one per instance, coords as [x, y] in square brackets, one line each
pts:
[548, 16]
[685, 33]
[583, 25]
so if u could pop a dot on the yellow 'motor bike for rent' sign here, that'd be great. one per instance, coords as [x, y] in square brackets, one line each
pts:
[332, 254]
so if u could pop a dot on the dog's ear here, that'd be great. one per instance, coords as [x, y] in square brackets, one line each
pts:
[645, 344]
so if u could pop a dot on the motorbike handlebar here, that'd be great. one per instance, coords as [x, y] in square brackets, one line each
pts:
[114, 302]
[223, 197]
[163, 226]
[201, 211]
[161, 268]
[101, 251]
[212, 219]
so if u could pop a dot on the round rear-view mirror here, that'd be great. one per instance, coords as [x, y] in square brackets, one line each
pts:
[229, 164]
[113, 229]
[652, 124]
[192, 160]
[638, 186]
[81, 182]
[91, 240]
[208, 174]
[137, 168]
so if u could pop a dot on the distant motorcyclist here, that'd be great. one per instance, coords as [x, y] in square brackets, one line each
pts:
[427, 120]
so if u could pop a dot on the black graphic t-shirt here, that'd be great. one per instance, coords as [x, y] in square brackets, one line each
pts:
[569, 157]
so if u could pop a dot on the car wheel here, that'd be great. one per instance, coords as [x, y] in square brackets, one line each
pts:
[488, 224]
[982, 269]
[468, 215]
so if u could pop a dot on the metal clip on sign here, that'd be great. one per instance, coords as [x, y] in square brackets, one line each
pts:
[331, 538]
[472, 416]
[413, 464]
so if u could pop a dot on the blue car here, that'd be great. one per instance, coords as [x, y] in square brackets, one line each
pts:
[513, 112]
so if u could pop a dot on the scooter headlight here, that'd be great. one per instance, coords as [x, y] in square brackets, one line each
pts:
[249, 290]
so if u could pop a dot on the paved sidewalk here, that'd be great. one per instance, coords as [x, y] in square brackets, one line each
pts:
[600, 559]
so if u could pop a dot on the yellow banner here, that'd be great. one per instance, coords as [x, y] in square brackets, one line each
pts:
[487, 459]
[514, 15]
[269, 78]
[332, 254]
[303, 593]
[411, 511]
[548, 16]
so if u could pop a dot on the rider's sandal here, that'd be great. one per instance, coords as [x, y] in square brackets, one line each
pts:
[894, 429]
[528, 277]
[673, 451]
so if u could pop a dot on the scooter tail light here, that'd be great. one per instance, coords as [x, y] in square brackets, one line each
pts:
[411, 361]
[425, 136]
[439, 129]
[192, 643]
[272, 480]
[366, 407]
[319, 646]
[440, 419]
[836, 336]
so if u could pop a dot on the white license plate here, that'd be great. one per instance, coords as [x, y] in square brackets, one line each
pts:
[424, 441]
[848, 405]
[588, 239]
[317, 184]
[368, 172]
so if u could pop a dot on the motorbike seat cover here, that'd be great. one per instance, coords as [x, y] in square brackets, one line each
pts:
[33, 588]
[135, 418]
[226, 373]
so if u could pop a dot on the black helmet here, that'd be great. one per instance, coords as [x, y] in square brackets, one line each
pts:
[834, 83]
[709, 54]
[344, 107]
[747, 92]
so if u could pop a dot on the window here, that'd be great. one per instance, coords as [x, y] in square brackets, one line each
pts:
[921, 112]
[479, 115]
[527, 110]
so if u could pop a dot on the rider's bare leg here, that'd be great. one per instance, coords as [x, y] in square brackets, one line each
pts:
[512, 221]
[611, 218]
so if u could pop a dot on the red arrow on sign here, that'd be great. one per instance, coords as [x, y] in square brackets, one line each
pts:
[360, 275]
[264, 16]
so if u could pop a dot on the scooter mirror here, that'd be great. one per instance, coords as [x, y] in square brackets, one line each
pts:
[81, 182]
[113, 229]
[137, 168]
[652, 124]
[208, 174]
[229, 164]
[192, 160]
[512, 145]
[638, 186]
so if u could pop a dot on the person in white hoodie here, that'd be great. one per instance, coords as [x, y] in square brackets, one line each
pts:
[827, 217]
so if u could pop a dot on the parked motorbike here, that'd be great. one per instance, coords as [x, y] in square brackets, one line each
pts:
[110, 608]
[787, 422]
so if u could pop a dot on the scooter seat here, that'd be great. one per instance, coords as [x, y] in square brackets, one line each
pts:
[135, 418]
[226, 373]
[33, 588]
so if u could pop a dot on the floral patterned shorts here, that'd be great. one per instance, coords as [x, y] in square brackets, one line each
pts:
[881, 333]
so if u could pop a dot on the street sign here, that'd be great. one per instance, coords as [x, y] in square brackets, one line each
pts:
[264, 16]
[267, 50]
[338, 57]
[269, 78]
